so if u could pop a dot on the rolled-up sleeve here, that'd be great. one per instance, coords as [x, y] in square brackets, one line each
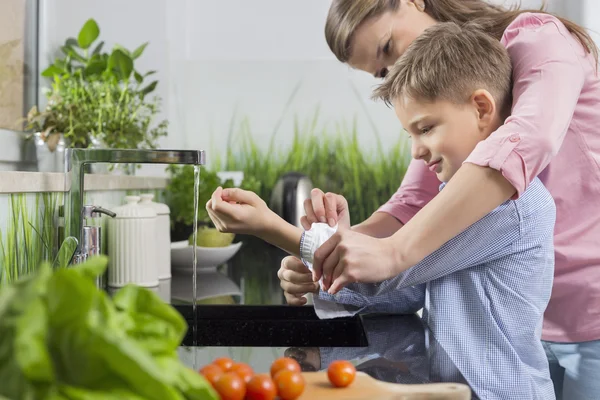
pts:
[548, 78]
[407, 300]
[418, 187]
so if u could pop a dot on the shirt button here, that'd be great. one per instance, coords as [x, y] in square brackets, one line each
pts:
[514, 138]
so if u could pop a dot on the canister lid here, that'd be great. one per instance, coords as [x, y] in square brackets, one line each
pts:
[159, 208]
[132, 209]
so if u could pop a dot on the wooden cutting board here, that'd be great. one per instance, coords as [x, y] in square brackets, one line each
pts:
[364, 387]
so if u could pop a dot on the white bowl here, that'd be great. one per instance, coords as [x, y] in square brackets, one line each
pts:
[182, 256]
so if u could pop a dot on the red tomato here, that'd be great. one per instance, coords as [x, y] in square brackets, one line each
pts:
[290, 384]
[224, 362]
[230, 386]
[243, 370]
[211, 373]
[284, 363]
[341, 373]
[261, 387]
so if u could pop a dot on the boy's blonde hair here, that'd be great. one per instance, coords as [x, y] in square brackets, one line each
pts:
[449, 62]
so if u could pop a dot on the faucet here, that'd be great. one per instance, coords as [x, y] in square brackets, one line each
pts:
[88, 237]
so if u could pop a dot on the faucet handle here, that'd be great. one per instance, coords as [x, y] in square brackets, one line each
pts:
[91, 211]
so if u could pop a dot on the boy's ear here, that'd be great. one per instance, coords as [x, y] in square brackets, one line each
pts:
[485, 106]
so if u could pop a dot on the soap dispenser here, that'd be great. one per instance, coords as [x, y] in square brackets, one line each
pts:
[131, 245]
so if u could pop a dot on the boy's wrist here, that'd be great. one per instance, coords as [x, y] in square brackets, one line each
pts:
[268, 226]
[275, 230]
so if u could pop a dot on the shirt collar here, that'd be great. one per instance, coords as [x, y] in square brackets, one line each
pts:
[442, 185]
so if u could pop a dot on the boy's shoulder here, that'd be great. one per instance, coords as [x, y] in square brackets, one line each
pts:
[534, 200]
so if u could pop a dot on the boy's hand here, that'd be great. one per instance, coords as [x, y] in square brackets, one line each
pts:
[328, 208]
[238, 211]
[296, 281]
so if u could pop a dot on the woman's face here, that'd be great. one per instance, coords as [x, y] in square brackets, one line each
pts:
[379, 42]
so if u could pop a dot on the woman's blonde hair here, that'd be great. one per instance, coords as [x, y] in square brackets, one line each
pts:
[346, 15]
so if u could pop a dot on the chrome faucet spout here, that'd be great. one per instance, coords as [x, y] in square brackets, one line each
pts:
[75, 162]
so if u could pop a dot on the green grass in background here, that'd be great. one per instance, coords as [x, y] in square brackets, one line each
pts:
[332, 157]
[30, 234]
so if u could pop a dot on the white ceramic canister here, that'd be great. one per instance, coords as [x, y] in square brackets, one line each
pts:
[131, 245]
[162, 235]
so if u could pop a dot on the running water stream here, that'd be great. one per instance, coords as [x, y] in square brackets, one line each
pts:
[194, 263]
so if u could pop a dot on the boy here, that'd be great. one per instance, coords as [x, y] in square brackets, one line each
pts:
[485, 291]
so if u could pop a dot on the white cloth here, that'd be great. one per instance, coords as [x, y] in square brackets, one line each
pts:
[311, 240]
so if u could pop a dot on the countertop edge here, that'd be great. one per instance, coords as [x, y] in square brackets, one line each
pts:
[39, 182]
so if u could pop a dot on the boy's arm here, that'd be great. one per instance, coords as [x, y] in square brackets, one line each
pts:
[282, 234]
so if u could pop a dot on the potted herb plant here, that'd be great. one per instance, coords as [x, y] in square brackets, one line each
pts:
[97, 98]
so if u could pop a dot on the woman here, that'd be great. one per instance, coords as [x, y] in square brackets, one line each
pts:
[552, 134]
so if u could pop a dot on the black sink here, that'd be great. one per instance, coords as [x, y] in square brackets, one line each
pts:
[276, 325]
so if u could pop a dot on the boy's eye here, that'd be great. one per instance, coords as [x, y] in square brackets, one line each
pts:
[426, 129]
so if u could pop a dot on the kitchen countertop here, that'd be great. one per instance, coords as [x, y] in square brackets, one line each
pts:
[33, 182]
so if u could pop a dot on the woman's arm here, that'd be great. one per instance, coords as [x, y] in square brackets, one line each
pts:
[472, 193]
[379, 225]
[548, 78]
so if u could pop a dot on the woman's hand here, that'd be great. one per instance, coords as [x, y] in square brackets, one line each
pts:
[238, 211]
[328, 208]
[296, 281]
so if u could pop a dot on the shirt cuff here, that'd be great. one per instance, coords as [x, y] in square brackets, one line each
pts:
[502, 155]
[312, 239]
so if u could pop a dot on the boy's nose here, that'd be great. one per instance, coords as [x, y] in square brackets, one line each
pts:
[418, 151]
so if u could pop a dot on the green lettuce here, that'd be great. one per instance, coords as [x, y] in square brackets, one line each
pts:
[63, 338]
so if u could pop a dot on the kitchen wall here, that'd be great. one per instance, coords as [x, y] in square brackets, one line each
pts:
[262, 60]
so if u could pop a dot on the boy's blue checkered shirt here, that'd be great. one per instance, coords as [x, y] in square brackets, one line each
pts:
[483, 296]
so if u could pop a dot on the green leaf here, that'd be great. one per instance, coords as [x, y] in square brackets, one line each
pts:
[52, 71]
[149, 73]
[186, 380]
[74, 393]
[88, 34]
[83, 321]
[121, 62]
[95, 68]
[71, 42]
[138, 52]
[123, 49]
[150, 88]
[62, 338]
[61, 64]
[138, 77]
[93, 267]
[74, 54]
[98, 48]
[24, 358]
[145, 317]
